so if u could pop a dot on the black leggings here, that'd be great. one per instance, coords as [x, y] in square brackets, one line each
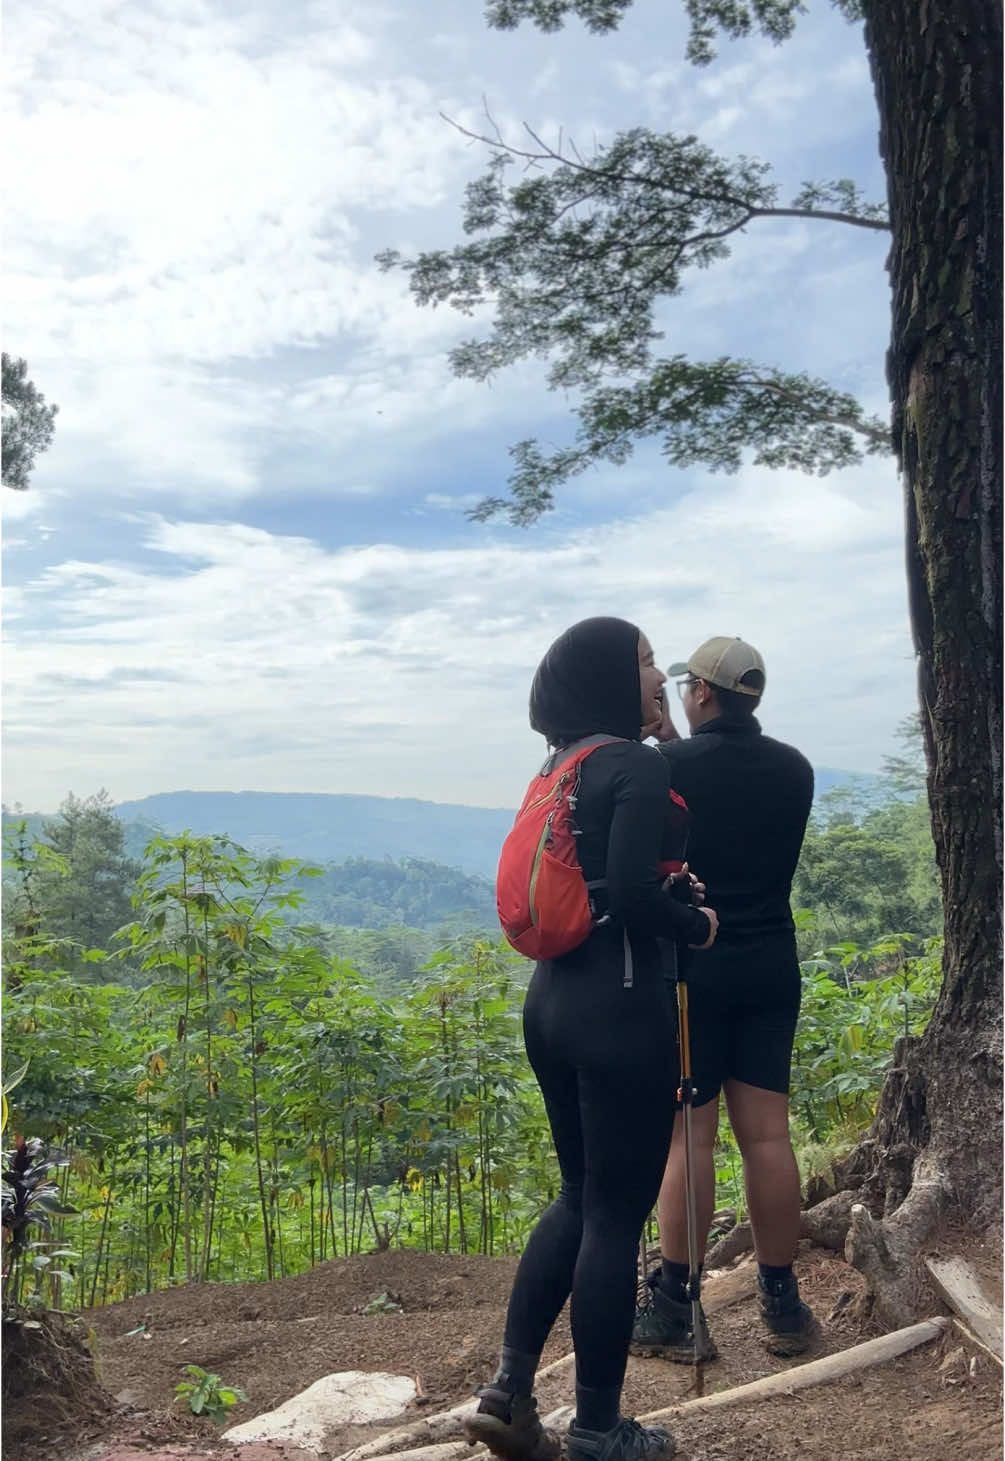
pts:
[605, 1059]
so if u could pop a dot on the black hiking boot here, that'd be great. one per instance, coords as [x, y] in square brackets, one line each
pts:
[627, 1441]
[790, 1323]
[663, 1328]
[511, 1427]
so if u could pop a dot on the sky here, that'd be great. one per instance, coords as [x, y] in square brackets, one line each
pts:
[244, 563]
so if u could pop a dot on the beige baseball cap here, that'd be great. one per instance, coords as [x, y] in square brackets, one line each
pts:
[725, 663]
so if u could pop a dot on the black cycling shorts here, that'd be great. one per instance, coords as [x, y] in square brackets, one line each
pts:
[743, 1002]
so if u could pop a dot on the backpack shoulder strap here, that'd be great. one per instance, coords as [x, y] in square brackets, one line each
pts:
[569, 753]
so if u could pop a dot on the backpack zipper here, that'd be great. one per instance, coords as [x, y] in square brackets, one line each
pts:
[555, 794]
[536, 865]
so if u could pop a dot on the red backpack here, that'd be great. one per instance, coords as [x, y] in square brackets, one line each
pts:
[542, 898]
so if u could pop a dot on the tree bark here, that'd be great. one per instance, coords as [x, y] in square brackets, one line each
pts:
[937, 71]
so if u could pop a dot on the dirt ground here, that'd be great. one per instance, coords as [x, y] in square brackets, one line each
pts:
[273, 1340]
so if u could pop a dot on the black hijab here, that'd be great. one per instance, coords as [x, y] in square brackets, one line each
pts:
[588, 683]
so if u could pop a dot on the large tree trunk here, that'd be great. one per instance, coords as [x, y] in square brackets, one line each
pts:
[937, 1140]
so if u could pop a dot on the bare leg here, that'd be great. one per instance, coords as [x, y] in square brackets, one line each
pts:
[673, 1201]
[760, 1120]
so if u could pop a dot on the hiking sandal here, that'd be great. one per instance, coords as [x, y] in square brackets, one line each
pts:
[510, 1427]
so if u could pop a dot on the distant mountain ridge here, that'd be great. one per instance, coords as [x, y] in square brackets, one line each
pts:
[330, 827]
[323, 828]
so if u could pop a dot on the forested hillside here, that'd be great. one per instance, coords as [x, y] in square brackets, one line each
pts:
[322, 829]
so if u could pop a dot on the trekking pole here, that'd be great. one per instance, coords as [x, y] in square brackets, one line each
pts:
[685, 1096]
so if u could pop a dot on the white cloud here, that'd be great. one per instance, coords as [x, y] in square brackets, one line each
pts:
[194, 195]
[185, 192]
[405, 670]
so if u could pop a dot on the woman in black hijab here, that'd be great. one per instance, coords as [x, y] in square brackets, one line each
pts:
[600, 1032]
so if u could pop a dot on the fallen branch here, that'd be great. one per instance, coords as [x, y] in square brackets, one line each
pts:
[444, 1425]
[817, 1372]
[440, 1451]
[959, 1284]
[446, 1450]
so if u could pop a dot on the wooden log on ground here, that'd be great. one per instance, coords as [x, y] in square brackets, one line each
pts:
[442, 1426]
[956, 1281]
[817, 1372]
[447, 1450]
[440, 1451]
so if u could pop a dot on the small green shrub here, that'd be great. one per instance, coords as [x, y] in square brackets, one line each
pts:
[206, 1394]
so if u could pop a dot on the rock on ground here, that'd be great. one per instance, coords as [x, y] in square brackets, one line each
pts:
[351, 1397]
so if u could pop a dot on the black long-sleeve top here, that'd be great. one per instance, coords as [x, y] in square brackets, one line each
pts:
[623, 814]
[749, 797]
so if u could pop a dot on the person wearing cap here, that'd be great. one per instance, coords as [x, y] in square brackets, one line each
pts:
[749, 797]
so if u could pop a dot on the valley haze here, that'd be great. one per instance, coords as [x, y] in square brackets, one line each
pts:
[321, 827]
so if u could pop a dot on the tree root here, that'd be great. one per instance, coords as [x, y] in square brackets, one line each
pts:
[738, 1241]
[827, 1223]
[888, 1253]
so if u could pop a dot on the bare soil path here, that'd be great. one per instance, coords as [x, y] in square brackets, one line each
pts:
[273, 1340]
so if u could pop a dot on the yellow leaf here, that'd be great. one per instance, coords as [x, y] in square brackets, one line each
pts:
[230, 1019]
[143, 1088]
[157, 1065]
[237, 933]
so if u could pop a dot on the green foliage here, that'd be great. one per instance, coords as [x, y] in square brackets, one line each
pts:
[775, 19]
[73, 882]
[207, 1394]
[414, 892]
[856, 1003]
[28, 423]
[383, 1303]
[576, 255]
[272, 1095]
[31, 1200]
[868, 866]
[30, 1196]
